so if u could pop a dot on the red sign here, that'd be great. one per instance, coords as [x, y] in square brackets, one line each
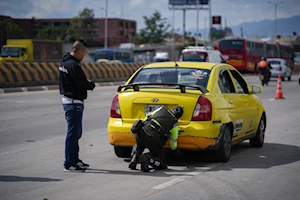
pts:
[216, 20]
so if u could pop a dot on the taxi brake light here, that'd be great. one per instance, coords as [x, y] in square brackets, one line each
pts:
[203, 110]
[115, 111]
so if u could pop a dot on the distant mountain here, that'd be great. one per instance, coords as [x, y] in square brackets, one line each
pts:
[284, 27]
[264, 28]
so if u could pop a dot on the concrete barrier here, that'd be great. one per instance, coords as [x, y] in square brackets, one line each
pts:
[24, 74]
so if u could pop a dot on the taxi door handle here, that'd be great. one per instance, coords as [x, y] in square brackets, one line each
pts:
[231, 101]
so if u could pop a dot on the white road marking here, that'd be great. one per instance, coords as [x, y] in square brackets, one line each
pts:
[188, 175]
[28, 101]
[171, 182]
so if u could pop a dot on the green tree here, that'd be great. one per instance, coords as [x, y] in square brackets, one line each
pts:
[10, 30]
[53, 33]
[155, 31]
[83, 25]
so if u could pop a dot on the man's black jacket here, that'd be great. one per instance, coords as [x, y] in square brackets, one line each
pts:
[72, 80]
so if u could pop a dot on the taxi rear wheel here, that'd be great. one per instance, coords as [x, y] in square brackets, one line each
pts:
[258, 140]
[123, 152]
[224, 152]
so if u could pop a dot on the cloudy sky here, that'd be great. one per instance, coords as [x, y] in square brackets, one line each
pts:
[235, 11]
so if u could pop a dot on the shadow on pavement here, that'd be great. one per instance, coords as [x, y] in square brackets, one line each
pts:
[158, 173]
[30, 179]
[243, 156]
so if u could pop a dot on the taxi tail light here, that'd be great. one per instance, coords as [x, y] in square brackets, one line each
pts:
[203, 110]
[115, 111]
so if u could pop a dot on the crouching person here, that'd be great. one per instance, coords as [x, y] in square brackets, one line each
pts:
[153, 134]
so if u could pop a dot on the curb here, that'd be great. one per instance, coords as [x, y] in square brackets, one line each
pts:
[50, 87]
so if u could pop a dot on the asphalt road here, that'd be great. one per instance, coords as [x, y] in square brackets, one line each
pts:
[32, 129]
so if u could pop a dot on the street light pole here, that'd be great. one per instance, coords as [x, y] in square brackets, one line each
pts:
[173, 34]
[275, 17]
[105, 43]
[197, 21]
[210, 22]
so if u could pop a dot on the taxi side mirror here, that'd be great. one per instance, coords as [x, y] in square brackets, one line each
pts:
[256, 89]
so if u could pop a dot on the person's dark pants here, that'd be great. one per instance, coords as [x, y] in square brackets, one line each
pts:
[266, 73]
[262, 70]
[73, 114]
[153, 142]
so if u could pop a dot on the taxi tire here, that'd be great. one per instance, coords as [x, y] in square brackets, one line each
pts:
[123, 152]
[224, 152]
[258, 140]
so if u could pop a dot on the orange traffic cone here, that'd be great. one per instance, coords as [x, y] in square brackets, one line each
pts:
[279, 94]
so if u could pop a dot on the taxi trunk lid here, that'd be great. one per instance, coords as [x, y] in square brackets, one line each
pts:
[136, 104]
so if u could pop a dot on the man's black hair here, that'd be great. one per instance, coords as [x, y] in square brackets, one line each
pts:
[79, 44]
[81, 41]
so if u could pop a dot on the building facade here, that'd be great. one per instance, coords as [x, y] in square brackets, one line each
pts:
[118, 30]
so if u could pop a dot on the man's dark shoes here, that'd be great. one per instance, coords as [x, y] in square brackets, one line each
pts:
[144, 163]
[132, 165]
[75, 168]
[83, 165]
[127, 159]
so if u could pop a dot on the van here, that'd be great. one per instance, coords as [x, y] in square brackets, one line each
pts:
[161, 57]
[201, 54]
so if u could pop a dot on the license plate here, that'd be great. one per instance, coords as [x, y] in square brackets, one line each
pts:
[151, 108]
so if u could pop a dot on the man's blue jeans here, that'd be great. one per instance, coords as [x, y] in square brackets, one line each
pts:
[73, 114]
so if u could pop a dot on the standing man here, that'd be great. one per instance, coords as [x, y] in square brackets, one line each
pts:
[73, 85]
[153, 134]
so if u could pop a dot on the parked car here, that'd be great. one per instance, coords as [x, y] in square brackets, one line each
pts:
[201, 54]
[280, 66]
[220, 108]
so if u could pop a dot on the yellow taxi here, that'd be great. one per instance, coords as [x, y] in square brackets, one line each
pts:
[220, 108]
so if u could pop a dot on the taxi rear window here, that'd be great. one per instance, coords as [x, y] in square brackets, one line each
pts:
[184, 76]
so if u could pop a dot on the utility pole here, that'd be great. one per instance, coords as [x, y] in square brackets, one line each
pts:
[205, 27]
[183, 37]
[210, 22]
[275, 17]
[173, 34]
[122, 11]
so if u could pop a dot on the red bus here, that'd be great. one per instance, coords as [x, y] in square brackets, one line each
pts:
[245, 54]
[286, 51]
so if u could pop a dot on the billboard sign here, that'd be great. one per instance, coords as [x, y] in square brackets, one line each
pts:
[187, 2]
